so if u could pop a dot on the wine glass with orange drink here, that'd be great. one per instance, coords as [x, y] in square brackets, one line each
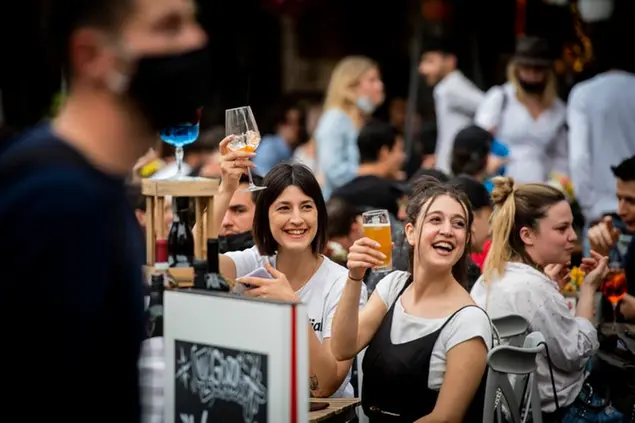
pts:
[240, 123]
[376, 226]
[615, 288]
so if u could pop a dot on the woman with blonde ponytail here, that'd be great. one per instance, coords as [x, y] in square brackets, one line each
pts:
[532, 241]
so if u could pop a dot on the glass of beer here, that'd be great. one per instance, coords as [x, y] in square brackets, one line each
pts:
[376, 225]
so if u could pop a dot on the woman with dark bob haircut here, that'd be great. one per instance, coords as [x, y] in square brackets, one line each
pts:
[426, 341]
[290, 234]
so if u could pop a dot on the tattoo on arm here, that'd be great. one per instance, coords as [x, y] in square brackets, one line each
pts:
[314, 385]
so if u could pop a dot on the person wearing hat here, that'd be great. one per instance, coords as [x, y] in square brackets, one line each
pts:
[456, 98]
[527, 116]
[474, 154]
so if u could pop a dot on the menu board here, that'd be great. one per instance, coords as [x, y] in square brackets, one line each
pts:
[232, 359]
[214, 384]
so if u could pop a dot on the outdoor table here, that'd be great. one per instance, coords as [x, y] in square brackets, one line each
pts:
[340, 410]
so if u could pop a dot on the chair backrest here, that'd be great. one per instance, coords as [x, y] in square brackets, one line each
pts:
[511, 327]
[522, 382]
[506, 360]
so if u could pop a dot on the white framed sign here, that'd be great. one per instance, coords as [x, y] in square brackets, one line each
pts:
[234, 359]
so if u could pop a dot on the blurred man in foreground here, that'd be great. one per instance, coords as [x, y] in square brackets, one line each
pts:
[71, 251]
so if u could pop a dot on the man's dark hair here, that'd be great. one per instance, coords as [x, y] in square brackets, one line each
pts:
[475, 191]
[61, 18]
[341, 216]
[244, 179]
[373, 136]
[625, 170]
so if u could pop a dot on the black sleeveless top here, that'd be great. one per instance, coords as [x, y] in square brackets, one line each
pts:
[395, 385]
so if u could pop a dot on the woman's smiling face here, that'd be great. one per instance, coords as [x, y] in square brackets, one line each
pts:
[293, 219]
[440, 233]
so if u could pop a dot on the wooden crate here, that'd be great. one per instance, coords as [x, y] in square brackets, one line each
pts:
[202, 190]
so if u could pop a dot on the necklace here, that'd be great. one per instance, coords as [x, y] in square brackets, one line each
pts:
[315, 269]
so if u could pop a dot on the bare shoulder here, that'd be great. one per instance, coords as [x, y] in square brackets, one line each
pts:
[460, 297]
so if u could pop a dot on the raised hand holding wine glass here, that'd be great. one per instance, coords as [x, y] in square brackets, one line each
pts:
[233, 164]
[240, 123]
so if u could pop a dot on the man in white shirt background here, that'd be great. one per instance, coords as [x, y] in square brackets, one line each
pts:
[601, 120]
[456, 98]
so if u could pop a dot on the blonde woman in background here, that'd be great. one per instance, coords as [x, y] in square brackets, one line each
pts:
[306, 153]
[354, 92]
[525, 269]
[526, 115]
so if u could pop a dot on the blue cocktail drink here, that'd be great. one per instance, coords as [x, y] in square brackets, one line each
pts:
[181, 135]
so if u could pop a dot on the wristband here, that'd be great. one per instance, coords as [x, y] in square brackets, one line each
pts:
[354, 279]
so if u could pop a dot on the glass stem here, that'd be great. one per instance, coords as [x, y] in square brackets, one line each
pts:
[614, 317]
[179, 161]
[251, 179]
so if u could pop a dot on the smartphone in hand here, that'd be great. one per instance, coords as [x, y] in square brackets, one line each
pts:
[260, 272]
[240, 287]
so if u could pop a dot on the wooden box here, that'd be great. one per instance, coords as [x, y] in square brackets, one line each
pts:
[202, 190]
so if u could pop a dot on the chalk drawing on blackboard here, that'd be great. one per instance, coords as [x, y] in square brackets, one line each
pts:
[189, 418]
[215, 382]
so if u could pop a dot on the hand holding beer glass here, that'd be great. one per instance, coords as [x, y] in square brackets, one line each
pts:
[374, 250]
[376, 226]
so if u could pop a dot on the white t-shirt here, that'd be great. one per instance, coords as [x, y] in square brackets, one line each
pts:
[456, 99]
[320, 294]
[467, 324]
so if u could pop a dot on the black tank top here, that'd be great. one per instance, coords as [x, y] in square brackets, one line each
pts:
[395, 385]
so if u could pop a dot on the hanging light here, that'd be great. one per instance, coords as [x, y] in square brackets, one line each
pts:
[595, 10]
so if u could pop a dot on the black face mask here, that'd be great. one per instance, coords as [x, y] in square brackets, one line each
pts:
[236, 242]
[533, 87]
[169, 90]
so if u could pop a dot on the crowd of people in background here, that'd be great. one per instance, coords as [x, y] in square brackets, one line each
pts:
[517, 160]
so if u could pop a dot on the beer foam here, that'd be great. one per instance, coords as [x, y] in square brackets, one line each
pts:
[376, 225]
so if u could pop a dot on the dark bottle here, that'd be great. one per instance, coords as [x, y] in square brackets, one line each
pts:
[180, 237]
[155, 307]
[213, 279]
[200, 272]
[161, 265]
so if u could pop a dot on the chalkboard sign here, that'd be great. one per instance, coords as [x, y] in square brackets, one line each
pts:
[234, 359]
[219, 384]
